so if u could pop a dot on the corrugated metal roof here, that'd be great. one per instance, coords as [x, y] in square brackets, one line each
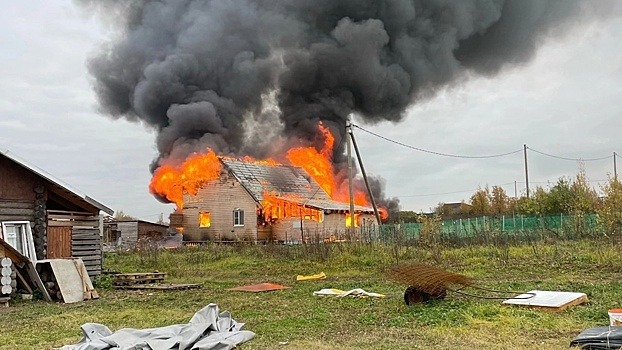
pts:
[284, 181]
[56, 181]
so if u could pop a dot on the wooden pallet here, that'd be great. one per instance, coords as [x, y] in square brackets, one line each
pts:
[122, 279]
[4, 301]
[160, 286]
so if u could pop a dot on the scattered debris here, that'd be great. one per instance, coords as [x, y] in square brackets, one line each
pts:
[208, 329]
[147, 280]
[161, 286]
[352, 292]
[319, 276]
[549, 300]
[261, 287]
[597, 338]
[615, 317]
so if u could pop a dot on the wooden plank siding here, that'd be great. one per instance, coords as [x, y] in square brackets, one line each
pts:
[129, 233]
[220, 198]
[288, 229]
[86, 241]
[16, 183]
[59, 242]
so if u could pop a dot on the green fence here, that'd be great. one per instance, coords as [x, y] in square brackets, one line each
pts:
[518, 227]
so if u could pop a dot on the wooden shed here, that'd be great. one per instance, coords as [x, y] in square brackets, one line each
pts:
[253, 201]
[44, 218]
[126, 233]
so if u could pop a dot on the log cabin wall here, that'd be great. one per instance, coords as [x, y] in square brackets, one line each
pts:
[22, 197]
[220, 198]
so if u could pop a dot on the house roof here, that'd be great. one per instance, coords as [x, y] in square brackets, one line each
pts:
[56, 182]
[284, 181]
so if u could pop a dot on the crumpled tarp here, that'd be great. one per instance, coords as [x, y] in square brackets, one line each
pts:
[207, 330]
[357, 292]
[599, 338]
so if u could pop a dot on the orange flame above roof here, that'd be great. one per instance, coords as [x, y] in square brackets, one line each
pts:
[319, 164]
[172, 182]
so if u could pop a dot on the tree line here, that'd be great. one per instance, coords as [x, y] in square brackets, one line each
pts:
[570, 196]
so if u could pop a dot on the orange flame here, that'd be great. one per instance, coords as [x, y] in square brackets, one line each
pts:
[319, 164]
[172, 182]
[277, 207]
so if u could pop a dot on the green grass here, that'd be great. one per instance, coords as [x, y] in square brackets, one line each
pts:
[295, 319]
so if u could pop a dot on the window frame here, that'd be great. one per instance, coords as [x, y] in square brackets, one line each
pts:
[27, 241]
[238, 217]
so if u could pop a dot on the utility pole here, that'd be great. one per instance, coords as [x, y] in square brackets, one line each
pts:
[615, 168]
[371, 195]
[515, 191]
[526, 172]
[350, 175]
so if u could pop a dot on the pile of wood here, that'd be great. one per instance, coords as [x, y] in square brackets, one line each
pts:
[7, 281]
[66, 280]
[130, 279]
[147, 280]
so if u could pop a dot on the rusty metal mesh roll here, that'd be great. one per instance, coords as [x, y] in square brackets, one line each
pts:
[426, 278]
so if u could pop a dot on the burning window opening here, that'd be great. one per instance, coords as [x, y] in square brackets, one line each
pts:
[205, 219]
[238, 217]
[357, 220]
[276, 208]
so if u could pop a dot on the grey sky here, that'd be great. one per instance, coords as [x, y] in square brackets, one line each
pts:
[566, 102]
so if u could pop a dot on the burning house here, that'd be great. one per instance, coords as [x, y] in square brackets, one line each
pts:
[260, 201]
[254, 78]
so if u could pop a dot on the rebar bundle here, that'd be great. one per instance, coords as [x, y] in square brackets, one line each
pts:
[426, 282]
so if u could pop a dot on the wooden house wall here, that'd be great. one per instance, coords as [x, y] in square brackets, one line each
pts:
[16, 183]
[17, 210]
[150, 230]
[86, 240]
[288, 229]
[129, 233]
[220, 198]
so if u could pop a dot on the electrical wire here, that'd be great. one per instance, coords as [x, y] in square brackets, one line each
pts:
[571, 159]
[436, 153]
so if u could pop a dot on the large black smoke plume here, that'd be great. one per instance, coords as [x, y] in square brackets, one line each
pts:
[245, 76]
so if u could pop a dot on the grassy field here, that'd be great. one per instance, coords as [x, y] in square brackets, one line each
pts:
[296, 319]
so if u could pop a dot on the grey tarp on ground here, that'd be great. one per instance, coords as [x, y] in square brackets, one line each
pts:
[207, 330]
[599, 338]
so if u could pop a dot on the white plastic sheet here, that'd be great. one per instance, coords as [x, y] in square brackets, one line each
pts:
[208, 329]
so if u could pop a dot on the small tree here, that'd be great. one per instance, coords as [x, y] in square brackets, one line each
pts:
[499, 201]
[610, 212]
[480, 202]
[120, 215]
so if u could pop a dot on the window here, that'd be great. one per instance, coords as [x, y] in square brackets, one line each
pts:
[19, 236]
[205, 219]
[238, 217]
[357, 220]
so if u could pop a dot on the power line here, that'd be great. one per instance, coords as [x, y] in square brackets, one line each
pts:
[572, 159]
[437, 153]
